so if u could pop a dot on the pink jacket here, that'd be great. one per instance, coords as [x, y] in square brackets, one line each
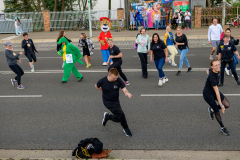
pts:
[222, 35]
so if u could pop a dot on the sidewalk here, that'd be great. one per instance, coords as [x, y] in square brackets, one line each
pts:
[125, 154]
[40, 37]
[197, 38]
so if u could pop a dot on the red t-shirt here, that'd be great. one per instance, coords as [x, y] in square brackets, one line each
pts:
[103, 36]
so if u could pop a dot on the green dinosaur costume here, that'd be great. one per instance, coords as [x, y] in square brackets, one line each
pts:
[72, 55]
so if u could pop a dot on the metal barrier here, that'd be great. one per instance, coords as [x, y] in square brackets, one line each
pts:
[8, 26]
[66, 20]
[35, 17]
[63, 20]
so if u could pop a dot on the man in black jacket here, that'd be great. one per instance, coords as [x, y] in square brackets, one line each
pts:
[29, 50]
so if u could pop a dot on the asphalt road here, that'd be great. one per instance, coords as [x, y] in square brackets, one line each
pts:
[66, 114]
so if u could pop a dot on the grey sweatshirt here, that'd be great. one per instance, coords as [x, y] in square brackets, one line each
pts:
[11, 57]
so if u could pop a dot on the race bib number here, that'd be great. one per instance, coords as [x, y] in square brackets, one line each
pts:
[28, 45]
[69, 58]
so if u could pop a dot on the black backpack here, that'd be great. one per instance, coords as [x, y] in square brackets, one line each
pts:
[87, 147]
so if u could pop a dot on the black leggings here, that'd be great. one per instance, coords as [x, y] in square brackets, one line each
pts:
[118, 115]
[117, 65]
[143, 59]
[31, 57]
[18, 70]
[211, 100]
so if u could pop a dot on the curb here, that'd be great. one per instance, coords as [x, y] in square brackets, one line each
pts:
[122, 154]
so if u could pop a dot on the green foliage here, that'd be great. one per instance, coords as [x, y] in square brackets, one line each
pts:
[31, 5]
[18, 6]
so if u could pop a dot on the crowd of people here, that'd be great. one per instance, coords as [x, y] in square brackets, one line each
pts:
[160, 19]
[159, 53]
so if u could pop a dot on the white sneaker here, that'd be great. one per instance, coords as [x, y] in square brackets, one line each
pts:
[233, 76]
[169, 60]
[174, 64]
[227, 71]
[104, 64]
[211, 57]
[32, 70]
[165, 79]
[160, 83]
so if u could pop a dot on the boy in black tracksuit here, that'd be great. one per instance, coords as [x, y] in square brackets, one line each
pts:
[29, 50]
[12, 63]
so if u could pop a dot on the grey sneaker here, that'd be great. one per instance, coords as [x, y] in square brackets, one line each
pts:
[224, 131]
[210, 113]
[20, 87]
[211, 57]
[127, 132]
[13, 82]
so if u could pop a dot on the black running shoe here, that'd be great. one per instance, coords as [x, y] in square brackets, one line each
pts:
[189, 69]
[178, 73]
[224, 131]
[210, 113]
[220, 84]
[63, 82]
[105, 118]
[238, 82]
[127, 132]
[79, 80]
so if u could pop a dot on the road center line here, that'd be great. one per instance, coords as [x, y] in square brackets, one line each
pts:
[21, 96]
[180, 95]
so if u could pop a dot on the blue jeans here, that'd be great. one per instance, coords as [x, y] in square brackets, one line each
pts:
[163, 24]
[183, 54]
[17, 31]
[159, 65]
[156, 24]
[105, 54]
[20, 29]
[236, 61]
[138, 22]
[145, 21]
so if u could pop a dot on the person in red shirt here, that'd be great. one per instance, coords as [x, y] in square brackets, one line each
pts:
[103, 36]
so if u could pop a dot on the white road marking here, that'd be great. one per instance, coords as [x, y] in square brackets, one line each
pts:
[9, 38]
[105, 70]
[21, 96]
[180, 95]
[45, 57]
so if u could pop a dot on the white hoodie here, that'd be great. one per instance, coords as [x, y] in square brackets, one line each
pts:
[215, 32]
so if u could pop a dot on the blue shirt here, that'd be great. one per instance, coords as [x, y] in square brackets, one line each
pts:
[137, 16]
[132, 16]
[170, 40]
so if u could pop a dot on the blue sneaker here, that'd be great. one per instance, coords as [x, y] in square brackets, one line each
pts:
[13, 82]
[20, 87]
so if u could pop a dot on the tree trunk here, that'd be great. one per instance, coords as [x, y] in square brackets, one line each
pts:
[209, 3]
[63, 5]
[55, 6]
[109, 8]
[44, 5]
[63, 9]
[213, 3]
[39, 6]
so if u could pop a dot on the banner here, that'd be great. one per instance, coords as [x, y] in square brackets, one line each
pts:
[147, 9]
[183, 5]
